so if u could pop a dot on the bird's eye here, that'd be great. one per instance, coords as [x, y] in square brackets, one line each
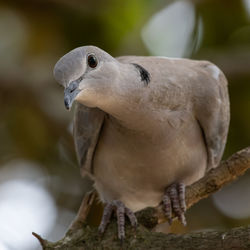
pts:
[92, 61]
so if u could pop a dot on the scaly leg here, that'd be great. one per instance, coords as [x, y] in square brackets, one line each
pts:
[174, 201]
[121, 211]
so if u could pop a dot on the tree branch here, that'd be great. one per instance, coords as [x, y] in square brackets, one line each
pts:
[84, 237]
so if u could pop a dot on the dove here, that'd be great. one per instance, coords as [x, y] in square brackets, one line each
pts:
[145, 127]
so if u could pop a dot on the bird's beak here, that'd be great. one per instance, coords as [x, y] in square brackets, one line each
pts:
[70, 93]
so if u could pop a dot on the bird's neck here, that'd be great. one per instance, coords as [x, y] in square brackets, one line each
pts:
[131, 114]
[125, 102]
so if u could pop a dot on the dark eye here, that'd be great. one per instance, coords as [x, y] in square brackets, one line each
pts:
[92, 61]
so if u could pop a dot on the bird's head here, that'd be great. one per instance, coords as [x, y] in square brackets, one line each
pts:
[87, 74]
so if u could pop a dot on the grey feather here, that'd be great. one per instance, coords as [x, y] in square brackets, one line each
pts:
[213, 115]
[87, 127]
[211, 102]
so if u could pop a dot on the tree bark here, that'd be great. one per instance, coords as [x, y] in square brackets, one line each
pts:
[88, 238]
[81, 236]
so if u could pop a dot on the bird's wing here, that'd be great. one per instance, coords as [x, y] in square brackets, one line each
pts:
[87, 128]
[213, 114]
[210, 98]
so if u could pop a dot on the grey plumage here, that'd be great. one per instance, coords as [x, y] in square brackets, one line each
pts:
[136, 139]
[87, 126]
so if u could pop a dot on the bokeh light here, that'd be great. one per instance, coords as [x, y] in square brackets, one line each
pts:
[170, 32]
[233, 200]
[25, 206]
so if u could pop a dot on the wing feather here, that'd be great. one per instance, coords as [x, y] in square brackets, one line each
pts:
[87, 128]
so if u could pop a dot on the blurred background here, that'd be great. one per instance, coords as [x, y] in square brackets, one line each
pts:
[40, 185]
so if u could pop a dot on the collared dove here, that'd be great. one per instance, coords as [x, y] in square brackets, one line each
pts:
[144, 127]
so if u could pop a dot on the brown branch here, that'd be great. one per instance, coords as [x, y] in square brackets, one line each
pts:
[83, 211]
[84, 237]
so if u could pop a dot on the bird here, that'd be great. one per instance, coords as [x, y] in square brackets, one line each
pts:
[144, 127]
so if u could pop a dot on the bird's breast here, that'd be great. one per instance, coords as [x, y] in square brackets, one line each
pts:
[135, 167]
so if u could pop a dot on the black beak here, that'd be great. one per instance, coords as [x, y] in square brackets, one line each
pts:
[70, 93]
[67, 102]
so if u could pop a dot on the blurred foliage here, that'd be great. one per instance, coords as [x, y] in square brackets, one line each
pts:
[34, 124]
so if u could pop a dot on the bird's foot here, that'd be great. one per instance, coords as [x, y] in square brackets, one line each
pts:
[120, 209]
[174, 202]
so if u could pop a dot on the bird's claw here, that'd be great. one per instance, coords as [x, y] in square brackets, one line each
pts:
[174, 202]
[121, 211]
